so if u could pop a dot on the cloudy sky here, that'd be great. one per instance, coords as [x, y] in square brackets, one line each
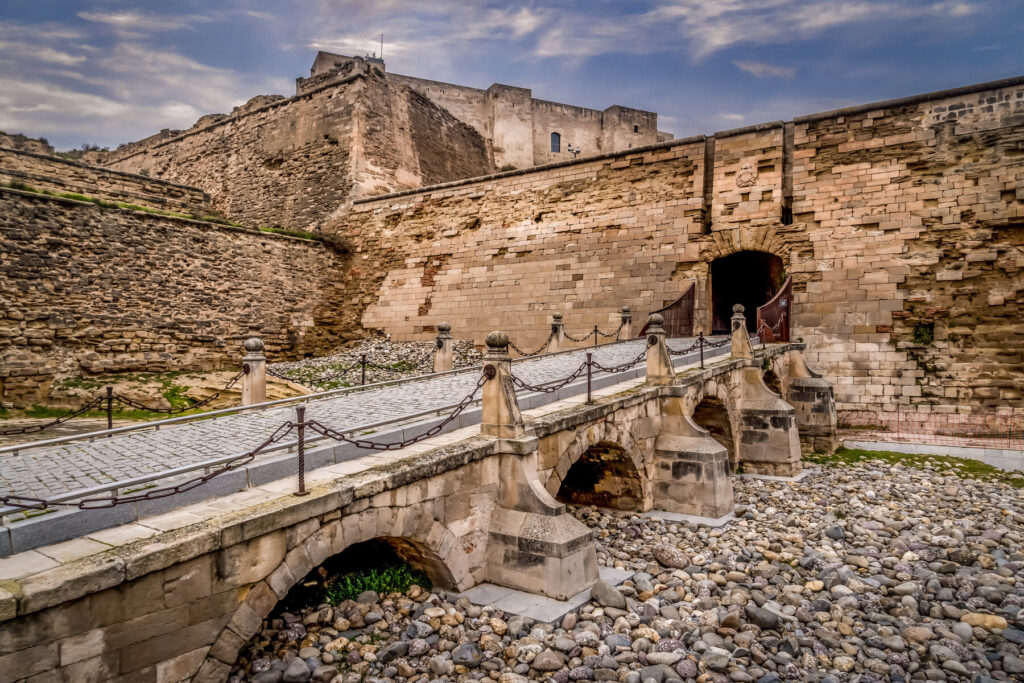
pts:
[107, 72]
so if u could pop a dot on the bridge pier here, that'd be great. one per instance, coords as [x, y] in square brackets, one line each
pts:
[768, 442]
[691, 469]
[812, 398]
[533, 544]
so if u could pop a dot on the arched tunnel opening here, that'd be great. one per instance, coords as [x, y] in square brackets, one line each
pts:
[604, 476]
[712, 415]
[750, 278]
[330, 605]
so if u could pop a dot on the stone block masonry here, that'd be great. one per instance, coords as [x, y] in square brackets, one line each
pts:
[44, 172]
[291, 162]
[901, 224]
[92, 290]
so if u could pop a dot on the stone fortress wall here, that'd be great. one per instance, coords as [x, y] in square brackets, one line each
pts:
[61, 176]
[518, 127]
[901, 223]
[289, 162]
[88, 290]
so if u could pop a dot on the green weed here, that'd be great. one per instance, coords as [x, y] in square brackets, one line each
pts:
[962, 467]
[392, 578]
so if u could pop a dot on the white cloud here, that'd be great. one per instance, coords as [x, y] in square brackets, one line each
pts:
[732, 117]
[761, 70]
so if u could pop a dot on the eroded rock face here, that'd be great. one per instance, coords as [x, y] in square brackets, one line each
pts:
[777, 595]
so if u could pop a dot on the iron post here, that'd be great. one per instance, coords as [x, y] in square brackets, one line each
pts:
[700, 343]
[595, 336]
[300, 423]
[362, 361]
[110, 407]
[590, 368]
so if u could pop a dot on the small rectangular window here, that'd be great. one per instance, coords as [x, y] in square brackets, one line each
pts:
[636, 129]
[556, 143]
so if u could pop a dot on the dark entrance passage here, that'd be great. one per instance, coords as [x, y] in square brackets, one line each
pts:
[750, 278]
[604, 476]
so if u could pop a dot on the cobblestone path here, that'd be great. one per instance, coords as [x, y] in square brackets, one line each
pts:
[49, 470]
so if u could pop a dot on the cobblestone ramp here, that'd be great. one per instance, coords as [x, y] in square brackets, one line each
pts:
[61, 468]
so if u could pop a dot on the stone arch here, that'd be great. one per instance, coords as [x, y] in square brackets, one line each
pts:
[604, 475]
[431, 543]
[713, 408]
[620, 431]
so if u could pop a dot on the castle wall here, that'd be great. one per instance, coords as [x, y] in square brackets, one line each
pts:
[53, 174]
[89, 290]
[282, 164]
[905, 247]
[291, 162]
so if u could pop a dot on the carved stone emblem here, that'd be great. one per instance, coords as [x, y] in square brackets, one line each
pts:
[747, 175]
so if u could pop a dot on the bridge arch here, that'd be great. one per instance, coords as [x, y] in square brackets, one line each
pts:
[412, 533]
[713, 407]
[615, 452]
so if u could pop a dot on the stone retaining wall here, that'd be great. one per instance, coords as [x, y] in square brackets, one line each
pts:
[90, 290]
[44, 172]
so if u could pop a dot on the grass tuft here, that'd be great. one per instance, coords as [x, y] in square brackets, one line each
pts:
[392, 578]
[962, 467]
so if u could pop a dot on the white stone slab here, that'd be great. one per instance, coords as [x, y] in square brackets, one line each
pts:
[713, 522]
[771, 477]
[537, 607]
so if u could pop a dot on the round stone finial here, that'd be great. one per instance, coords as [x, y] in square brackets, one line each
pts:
[626, 309]
[556, 316]
[444, 327]
[497, 340]
[738, 308]
[655, 319]
[253, 344]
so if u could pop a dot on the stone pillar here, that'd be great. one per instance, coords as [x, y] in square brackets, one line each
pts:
[814, 402]
[741, 347]
[691, 469]
[499, 414]
[558, 333]
[769, 442]
[659, 362]
[254, 381]
[627, 324]
[534, 544]
[443, 354]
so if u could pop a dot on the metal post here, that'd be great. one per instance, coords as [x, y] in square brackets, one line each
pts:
[300, 420]
[700, 343]
[362, 361]
[590, 367]
[595, 336]
[110, 407]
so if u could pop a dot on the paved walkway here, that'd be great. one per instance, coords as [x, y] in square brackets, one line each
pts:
[61, 468]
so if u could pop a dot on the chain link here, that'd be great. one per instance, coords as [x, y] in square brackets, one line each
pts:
[30, 429]
[367, 444]
[543, 347]
[124, 400]
[95, 502]
[548, 389]
[641, 357]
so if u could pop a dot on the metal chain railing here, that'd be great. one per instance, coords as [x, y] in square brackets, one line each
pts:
[641, 357]
[540, 349]
[31, 429]
[91, 503]
[596, 333]
[110, 399]
[547, 389]
[300, 424]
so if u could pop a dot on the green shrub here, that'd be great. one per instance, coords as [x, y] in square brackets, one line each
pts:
[392, 578]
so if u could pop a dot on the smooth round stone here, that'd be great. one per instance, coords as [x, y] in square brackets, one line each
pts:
[664, 657]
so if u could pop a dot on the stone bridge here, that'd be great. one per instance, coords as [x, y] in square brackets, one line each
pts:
[176, 597]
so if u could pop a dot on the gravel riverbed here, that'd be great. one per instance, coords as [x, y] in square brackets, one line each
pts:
[863, 572]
